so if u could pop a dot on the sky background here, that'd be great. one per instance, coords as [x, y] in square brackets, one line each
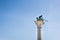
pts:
[17, 19]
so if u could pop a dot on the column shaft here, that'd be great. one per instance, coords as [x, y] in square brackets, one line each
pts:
[39, 33]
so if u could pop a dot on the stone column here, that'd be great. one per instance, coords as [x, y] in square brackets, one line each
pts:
[39, 33]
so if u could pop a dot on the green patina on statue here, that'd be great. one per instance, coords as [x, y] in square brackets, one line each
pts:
[40, 18]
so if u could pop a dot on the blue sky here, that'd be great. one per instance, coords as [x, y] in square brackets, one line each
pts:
[17, 19]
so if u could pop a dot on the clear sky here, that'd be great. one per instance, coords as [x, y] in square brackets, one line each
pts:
[17, 19]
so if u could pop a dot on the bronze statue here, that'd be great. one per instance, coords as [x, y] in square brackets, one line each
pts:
[39, 18]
